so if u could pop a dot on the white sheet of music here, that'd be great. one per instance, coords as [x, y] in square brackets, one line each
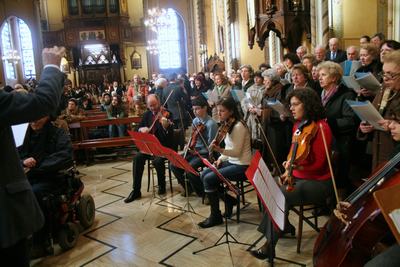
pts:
[269, 191]
[19, 132]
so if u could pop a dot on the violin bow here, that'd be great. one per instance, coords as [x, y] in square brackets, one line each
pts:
[269, 147]
[328, 157]
[198, 131]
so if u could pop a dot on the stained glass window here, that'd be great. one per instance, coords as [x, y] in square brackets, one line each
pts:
[7, 50]
[169, 45]
[17, 47]
[28, 61]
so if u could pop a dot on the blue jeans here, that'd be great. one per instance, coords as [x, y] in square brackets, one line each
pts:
[116, 130]
[232, 172]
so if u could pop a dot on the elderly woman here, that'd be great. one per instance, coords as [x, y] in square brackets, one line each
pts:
[251, 105]
[221, 89]
[385, 101]
[277, 130]
[301, 78]
[340, 116]
[309, 61]
[369, 58]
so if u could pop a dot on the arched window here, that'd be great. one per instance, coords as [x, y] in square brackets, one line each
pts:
[17, 50]
[170, 41]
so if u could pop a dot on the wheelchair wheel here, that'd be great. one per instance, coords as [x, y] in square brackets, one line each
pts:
[68, 236]
[86, 211]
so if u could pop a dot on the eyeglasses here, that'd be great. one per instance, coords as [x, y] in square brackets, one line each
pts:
[390, 76]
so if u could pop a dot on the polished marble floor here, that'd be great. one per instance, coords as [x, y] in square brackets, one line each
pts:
[154, 232]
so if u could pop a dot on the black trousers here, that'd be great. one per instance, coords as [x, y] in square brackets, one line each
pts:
[195, 182]
[16, 255]
[138, 167]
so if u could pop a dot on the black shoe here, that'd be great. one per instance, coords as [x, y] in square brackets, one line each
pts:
[211, 221]
[161, 190]
[259, 254]
[132, 196]
[289, 229]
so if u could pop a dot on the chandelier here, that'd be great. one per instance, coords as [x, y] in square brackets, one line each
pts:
[156, 17]
[152, 47]
[12, 56]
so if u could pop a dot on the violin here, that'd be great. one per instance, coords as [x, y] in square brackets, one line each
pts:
[196, 132]
[300, 149]
[161, 116]
[226, 127]
[352, 243]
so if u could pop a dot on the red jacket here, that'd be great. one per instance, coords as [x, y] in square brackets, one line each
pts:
[315, 166]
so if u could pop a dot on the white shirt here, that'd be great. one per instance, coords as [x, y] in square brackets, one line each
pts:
[237, 146]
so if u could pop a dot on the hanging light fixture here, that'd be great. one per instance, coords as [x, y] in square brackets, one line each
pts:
[152, 47]
[12, 56]
[156, 18]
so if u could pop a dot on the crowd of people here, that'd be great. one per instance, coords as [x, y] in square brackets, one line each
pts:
[275, 103]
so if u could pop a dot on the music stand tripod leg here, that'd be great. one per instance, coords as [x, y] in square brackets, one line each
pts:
[225, 235]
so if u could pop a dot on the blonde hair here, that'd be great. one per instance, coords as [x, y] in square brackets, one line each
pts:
[334, 69]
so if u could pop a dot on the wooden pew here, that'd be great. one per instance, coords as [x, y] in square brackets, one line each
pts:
[86, 144]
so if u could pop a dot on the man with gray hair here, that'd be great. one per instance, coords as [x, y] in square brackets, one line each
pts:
[319, 53]
[247, 77]
[335, 54]
[301, 51]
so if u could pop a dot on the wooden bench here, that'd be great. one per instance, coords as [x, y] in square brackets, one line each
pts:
[84, 143]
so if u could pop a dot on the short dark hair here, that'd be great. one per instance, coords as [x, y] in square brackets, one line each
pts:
[366, 37]
[392, 44]
[292, 57]
[313, 109]
[380, 35]
[199, 101]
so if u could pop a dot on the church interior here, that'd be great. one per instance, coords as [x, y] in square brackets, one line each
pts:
[127, 49]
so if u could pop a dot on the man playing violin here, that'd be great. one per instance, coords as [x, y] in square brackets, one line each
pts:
[204, 131]
[308, 173]
[155, 123]
[234, 159]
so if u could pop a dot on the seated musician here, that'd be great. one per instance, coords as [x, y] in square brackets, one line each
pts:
[311, 176]
[391, 255]
[234, 159]
[203, 124]
[45, 152]
[152, 122]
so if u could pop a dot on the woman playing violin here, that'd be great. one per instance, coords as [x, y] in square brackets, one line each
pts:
[203, 132]
[310, 175]
[232, 163]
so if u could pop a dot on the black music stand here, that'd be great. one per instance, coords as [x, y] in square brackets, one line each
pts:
[270, 195]
[149, 144]
[227, 186]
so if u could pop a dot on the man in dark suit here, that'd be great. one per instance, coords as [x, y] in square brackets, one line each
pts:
[20, 213]
[335, 54]
[161, 127]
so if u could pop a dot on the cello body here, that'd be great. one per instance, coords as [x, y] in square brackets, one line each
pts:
[344, 245]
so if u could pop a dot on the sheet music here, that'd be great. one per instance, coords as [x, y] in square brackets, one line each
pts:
[395, 216]
[270, 193]
[351, 82]
[368, 81]
[277, 106]
[366, 112]
[19, 132]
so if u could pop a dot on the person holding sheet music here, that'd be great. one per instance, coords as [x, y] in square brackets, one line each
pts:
[208, 129]
[340, 117]
[155, 123]
[369, 58]
[221, 89]
[233, 162]
[251, 105]
[385, 101]
[276, 126]
[312, 178]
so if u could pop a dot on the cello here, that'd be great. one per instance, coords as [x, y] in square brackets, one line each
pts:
[352, 243]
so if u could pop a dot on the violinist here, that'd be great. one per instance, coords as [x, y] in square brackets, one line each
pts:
[234, 159]
[203, 132]
[310, 174]
[155, 123]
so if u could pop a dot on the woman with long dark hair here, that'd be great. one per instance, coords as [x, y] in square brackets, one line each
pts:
[234, 159]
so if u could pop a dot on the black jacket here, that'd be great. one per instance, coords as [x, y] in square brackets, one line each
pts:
[164, 136]
[340, 56]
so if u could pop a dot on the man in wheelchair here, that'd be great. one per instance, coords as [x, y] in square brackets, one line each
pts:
[46, 154]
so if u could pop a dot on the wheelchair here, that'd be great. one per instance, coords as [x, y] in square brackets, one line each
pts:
[67, 212]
